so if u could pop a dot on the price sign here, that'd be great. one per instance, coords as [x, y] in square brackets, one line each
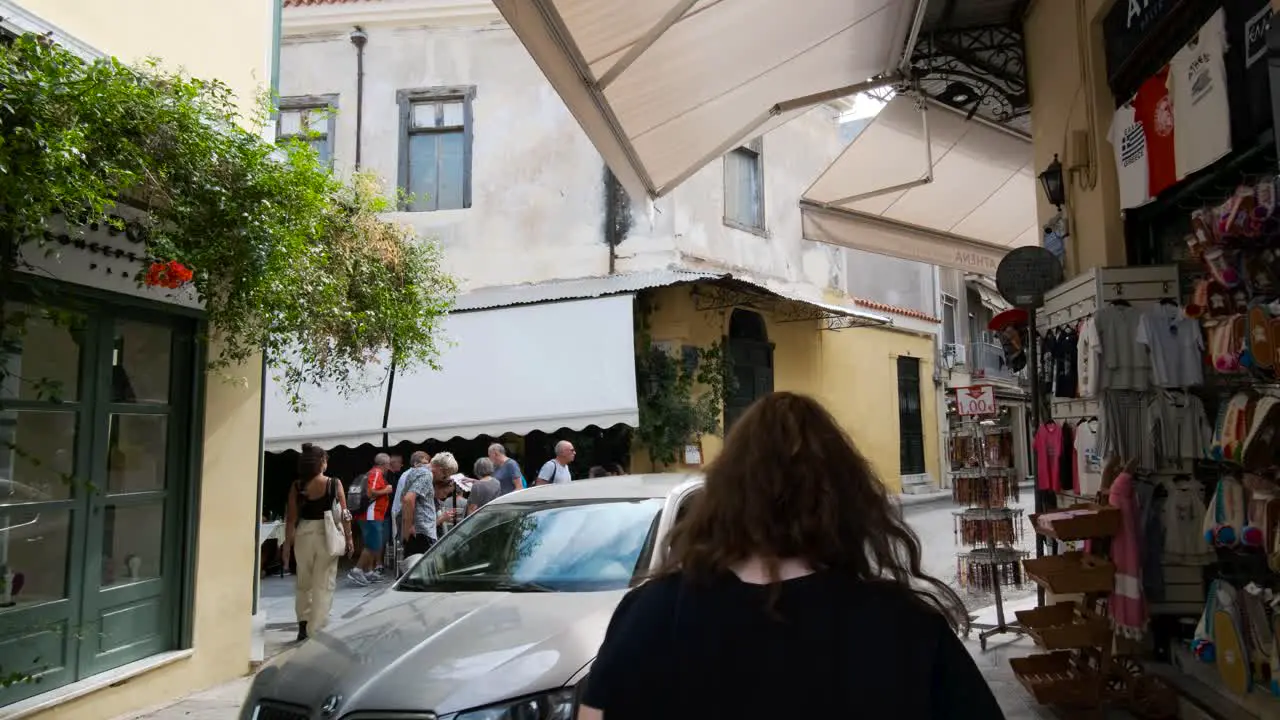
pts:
[976, 400]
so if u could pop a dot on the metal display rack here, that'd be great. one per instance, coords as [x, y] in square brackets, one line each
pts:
[987, 526]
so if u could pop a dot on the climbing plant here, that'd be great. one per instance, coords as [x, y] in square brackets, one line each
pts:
[681, 390]
[288, 259]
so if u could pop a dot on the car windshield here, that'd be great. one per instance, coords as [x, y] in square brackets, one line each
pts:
[551, 546]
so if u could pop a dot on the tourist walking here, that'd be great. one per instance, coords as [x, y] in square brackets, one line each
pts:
[792, 563]
[556, 470]
[505, 470]
[311, 505]
[372, 520]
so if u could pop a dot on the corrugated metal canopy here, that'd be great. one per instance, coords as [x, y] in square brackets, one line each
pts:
[665, 86]
[979, 204]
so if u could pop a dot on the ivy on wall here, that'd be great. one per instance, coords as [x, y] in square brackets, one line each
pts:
[681, 392]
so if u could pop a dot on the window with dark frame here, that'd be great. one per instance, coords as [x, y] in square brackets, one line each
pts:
[311, 120]
[435, 148]
[910, 418]
[744, 187]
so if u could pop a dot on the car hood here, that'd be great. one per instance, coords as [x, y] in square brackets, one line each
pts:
[442, 652]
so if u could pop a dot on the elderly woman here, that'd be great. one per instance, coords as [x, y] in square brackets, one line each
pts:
[485, 488]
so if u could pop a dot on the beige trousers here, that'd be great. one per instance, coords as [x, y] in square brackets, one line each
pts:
[317, 574]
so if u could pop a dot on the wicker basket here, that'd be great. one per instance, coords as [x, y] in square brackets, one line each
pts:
[1052, 679]
[1096, 522]
[1061, 627]
[1072, 573]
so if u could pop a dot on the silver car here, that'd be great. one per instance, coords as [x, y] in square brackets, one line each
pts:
[500, 620]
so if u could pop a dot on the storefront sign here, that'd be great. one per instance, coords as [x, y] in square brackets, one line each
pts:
[1128, 24]
[102, 257]
[1255, 36]
[1026, 274]
[976, 400]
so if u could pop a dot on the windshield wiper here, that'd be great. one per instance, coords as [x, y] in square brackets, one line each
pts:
[521, 587]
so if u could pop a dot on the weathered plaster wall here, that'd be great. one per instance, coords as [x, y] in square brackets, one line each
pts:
[537, 182]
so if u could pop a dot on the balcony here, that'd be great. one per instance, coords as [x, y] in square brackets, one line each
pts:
[986, 362]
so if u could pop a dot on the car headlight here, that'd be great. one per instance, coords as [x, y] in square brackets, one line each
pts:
[555, 705]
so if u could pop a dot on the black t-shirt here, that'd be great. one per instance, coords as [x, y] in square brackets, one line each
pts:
[829, 647]
[1065, 350]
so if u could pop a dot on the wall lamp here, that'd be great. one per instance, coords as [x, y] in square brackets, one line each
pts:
[1051, 180]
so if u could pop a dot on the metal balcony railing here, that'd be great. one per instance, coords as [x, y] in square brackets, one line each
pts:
[986, 361]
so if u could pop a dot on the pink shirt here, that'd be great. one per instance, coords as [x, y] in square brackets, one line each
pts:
[1048, 447]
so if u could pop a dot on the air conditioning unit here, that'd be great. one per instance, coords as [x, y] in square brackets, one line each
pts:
[956, 352]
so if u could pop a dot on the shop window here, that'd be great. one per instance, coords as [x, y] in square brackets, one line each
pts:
[311, 120]
[435, 148]
[744, 187]
[910, 418]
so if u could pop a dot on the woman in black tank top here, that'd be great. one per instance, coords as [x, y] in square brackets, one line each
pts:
[305, 538]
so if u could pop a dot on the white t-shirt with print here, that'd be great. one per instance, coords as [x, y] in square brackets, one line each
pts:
[1088, 460]
[1129, 145]
[1198, 88]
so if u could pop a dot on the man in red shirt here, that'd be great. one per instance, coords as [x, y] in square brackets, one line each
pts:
[373, 521]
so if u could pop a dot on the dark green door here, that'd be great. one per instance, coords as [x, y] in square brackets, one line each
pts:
[90, 493]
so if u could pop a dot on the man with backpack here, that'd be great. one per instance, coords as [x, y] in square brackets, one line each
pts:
[369, 500]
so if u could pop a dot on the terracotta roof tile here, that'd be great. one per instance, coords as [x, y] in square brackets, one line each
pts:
[906, 312]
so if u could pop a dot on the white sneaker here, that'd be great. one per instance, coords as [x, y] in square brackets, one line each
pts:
[375, 577]
[358, 577]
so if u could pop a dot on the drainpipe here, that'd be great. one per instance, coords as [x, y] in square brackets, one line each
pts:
[358, 38]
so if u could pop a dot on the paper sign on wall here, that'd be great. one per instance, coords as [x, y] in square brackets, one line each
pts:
[976, 400]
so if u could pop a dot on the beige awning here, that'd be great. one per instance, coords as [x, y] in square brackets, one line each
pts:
[979, 204]
[663, 87]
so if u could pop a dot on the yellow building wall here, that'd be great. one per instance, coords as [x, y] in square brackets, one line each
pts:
[853, 372]
[1069, 95]
[229, 41]
[673, 318]
[859, 384]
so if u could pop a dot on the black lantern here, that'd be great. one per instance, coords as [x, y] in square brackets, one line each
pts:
[1051, 180]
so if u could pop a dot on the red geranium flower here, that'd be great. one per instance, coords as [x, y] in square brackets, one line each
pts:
[172, 275]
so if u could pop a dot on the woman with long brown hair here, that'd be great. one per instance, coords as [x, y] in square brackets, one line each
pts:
[792, 588]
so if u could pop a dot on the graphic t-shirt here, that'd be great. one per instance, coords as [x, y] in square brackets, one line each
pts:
[1248, 82]
[1129, 143]
[1088, 460]
[1154, 109]
[1198, 86]
[1066, 349]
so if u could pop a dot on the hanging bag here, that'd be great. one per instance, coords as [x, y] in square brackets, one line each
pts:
[334, 536]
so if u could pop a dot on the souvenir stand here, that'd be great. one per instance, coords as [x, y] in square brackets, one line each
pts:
[984, 479]
[1087, 525]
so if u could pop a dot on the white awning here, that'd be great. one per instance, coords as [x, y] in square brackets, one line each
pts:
[517, 369]
[980, 203]
[662, 87]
